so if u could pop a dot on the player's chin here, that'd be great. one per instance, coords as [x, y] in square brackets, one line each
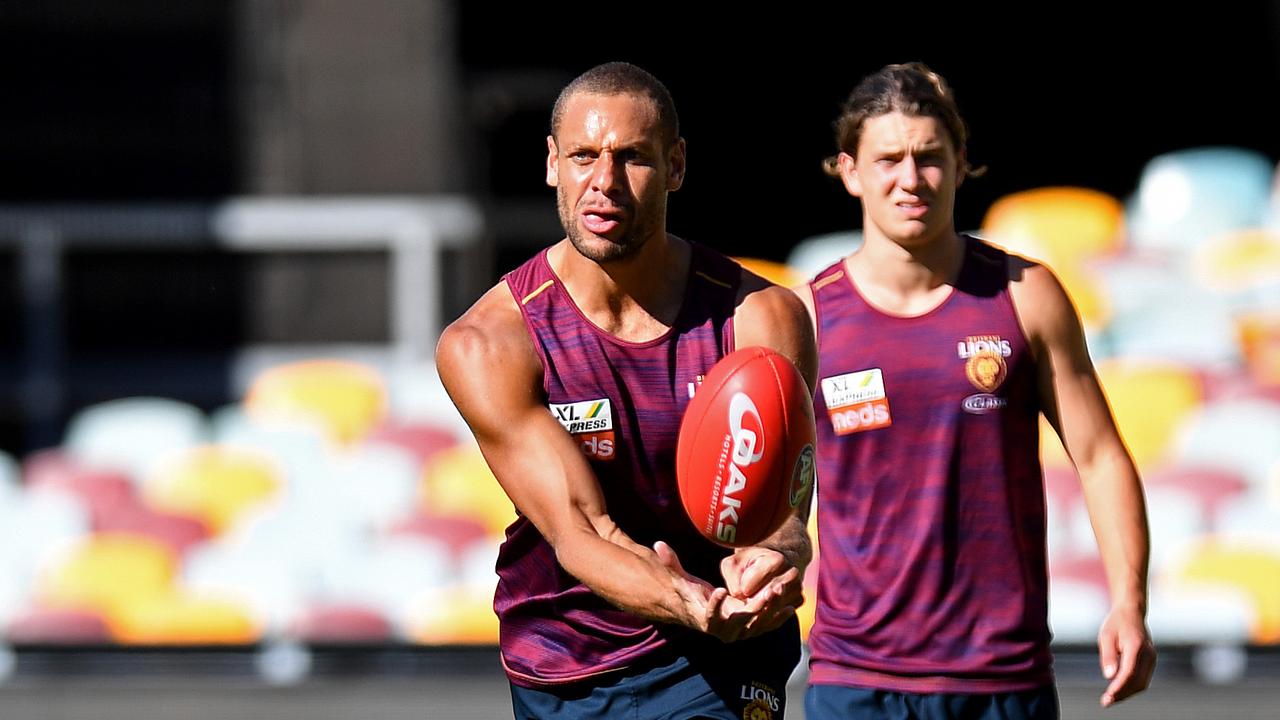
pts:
[615, 246]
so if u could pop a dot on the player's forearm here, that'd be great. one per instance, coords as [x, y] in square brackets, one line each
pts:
[626, 574]
[792, 540]
[1113, 494]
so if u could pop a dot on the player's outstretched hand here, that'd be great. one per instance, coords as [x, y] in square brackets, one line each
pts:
[1127, 655]
[711, 610]
[761, 576]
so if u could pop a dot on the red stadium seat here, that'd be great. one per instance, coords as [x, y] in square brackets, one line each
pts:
[339, 624]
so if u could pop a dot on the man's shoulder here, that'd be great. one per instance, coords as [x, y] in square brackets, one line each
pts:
[493, 325]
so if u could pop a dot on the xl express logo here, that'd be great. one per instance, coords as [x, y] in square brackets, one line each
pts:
[590, 422]
[856, 401]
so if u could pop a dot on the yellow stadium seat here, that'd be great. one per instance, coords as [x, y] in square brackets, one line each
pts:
[215, 483]
[1258, 334]
[1148, 400]
[181, 619]
[345, 399]
[775, 272]
[1240, 260]
[1060, 225]
[454, 616]
[1087, 294]
[1250, 570]
[457, 481]
[109, 573]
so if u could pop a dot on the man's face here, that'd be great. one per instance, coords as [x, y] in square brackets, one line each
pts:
[906, 173]
[612, 170]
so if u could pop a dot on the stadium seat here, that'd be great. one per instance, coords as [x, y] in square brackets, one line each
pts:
[1212, 487]
[1193, 327]
[179, 532]
[478, 566]
[1187, 196]
[419, 398]
[1175, 517]
[375, 483]
[344, 399]
[108, 573]
[132, 434]
[1089, 296]
[813, 254]
[34, 525]
[1258, 336]
[272, 584]
[1237, 435]
[388, 574]
[771, 270]
[180, 618]
[341, 624]
[1149, 401]
[58, 626]
[1076, 610]
[1064, 226]
[1084, 568]
[215, 483]
[1239, 262]
[457, 532]
[1199, 615]
[100, 490]
[1252, 517]
[1064, 500]
[453, 616]
[459, 482]
[422, 439]
[1252, 570]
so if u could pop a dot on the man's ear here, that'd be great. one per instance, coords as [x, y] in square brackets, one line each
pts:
[676, 165]
[849, 174]
[553, 172]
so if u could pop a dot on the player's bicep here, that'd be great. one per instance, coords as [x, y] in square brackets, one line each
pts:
[494, 379]
[1070, 394]
[776, 318]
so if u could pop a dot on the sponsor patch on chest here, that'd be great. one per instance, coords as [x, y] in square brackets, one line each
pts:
[856, 401]
[590, 422]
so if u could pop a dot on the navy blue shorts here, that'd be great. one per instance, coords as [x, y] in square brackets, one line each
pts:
[828, 702]
[718, 682]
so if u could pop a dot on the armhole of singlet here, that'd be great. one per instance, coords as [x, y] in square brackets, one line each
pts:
[824, 279]
[703, 267]
[528, 326]
[817, 318]
[1032, 350]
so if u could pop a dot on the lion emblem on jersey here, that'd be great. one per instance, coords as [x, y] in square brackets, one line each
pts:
[986, 370]
[757, 710]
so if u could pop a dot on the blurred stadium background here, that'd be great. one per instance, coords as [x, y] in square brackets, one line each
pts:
[230, 484]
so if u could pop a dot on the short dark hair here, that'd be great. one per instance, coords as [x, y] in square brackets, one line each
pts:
[909, 88]
[622, 78]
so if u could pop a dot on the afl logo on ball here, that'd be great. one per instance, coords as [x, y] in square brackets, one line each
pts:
[802, 476]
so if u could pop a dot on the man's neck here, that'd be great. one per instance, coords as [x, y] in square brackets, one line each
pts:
[635, 299]
[907, 279]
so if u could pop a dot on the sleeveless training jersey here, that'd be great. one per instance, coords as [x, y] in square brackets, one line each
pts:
[622, 402]
[931, 522]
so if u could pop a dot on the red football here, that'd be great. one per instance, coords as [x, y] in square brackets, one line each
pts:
[744, 458]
